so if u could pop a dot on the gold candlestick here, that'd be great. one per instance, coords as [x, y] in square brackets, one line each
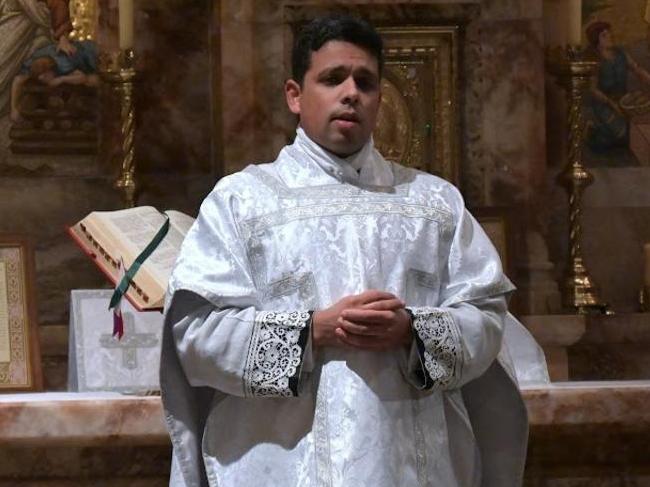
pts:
[574, 72]
[122, 80]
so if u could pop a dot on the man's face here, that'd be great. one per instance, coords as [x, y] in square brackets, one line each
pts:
[339, 97]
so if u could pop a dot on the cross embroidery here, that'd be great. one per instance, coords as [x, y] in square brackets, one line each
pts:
[130, 342]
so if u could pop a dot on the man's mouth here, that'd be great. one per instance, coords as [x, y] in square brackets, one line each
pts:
[347, 117]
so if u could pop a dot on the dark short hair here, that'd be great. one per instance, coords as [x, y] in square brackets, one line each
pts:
[333, 28]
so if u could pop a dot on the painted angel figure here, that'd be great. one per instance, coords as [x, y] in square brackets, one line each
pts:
[25, 26]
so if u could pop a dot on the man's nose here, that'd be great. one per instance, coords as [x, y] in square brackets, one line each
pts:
[350, 91]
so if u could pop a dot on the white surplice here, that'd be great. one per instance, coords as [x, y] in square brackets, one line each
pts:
[248, 402]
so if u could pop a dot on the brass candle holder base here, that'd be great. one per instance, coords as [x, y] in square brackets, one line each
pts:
[122, 79]
[581, 293]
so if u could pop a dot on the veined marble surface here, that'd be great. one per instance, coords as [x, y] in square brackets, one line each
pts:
[80, 419]
[588, 403]
[76, 419]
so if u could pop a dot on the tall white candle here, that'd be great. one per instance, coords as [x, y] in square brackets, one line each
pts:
[575, 22]
[126, 24]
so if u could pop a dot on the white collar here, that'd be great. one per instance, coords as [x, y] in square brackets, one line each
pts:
[366, 166]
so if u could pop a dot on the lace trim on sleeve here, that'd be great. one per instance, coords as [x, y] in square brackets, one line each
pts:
[276, 352]
[439, 345]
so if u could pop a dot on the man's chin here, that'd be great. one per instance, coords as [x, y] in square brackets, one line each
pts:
[344, 150]
[344, 147]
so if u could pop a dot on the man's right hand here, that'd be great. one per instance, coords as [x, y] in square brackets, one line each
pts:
[325, 322]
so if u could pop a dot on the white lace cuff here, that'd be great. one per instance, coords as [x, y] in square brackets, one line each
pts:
[276, 352]
[439, 347]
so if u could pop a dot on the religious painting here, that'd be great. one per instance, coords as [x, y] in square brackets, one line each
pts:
[48, 77]
[20, 366]
[617, 108]
[100, 361]
[417, 123]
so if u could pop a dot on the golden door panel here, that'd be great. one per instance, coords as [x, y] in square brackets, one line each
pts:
[418, 118]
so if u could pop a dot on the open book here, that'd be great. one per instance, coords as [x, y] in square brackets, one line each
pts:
[108, 235]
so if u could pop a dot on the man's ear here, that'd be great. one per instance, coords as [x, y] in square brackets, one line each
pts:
[292, 92]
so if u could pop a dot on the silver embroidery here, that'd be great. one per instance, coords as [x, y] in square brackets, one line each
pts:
[321, 434]
[303, 284]
[425, 279]
[257, 258]
[442, 346]
[274, 354]
[255, 226]
[420, 444]
[422, 288]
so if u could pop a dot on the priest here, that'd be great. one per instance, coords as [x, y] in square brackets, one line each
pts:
[335, 319]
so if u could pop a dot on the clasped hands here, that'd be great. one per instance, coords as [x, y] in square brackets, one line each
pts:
[372, 320]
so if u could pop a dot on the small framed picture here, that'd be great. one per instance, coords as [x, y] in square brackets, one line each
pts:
[20, 361]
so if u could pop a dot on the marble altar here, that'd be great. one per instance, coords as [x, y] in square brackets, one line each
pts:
[582, 433]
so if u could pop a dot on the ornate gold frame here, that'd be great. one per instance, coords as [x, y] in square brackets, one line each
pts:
[418, 123]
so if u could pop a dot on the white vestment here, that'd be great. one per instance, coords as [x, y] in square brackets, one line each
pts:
[248, 402]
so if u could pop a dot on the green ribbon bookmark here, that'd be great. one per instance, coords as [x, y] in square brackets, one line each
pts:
[130, 273]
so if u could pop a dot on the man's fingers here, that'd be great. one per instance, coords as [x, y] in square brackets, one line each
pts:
[368, 316]
[361, 342]
[386, 304]
[374, 295]
[359, 329]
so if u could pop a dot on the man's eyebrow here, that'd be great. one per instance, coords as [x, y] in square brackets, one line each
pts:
[332, 69]
[344, 69]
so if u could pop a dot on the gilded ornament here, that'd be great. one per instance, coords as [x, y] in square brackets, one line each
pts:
[84, 19]
[420, 99]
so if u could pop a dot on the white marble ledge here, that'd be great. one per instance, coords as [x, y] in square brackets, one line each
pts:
[103, 419]
[604, 403]
[81, 419]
